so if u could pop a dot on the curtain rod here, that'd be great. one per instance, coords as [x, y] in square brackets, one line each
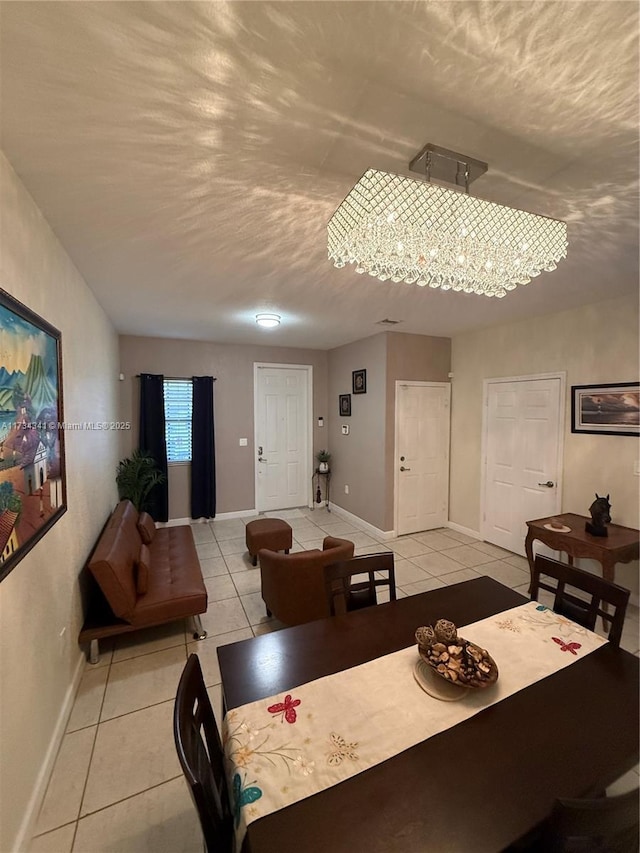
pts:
[182, 378]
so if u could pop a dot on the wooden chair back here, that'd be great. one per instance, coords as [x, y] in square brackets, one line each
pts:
[605, 825]
[344, 595]
[583, 610]
[200, 754]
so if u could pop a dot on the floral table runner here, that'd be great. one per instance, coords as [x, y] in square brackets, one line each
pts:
[284, 748]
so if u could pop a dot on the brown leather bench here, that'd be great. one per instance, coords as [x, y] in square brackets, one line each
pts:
[272, 533]
[144, 576]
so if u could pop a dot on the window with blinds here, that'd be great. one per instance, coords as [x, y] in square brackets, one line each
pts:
[178, 396]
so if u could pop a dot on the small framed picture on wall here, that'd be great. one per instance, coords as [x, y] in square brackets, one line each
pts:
[359, 381]
[345, 405]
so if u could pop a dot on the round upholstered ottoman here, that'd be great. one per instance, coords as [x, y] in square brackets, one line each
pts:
[272, 533]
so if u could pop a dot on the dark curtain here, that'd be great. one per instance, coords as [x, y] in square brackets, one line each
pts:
[203, 450]
[152, 439]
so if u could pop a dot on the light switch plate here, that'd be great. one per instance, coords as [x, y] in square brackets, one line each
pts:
[243, 442]
[636, 467]
[345, 429]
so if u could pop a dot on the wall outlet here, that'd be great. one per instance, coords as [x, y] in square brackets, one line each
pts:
[242, 442]
[346, 490]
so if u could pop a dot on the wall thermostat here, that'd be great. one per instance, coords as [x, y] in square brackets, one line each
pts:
[345, 429]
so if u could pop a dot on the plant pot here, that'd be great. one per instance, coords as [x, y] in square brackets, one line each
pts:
[323, 467]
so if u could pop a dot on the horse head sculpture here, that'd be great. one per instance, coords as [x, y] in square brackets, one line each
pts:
[600, 511]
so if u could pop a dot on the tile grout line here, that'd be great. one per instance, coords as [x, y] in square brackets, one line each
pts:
[93, 747]
[154, 652]
[129, 797]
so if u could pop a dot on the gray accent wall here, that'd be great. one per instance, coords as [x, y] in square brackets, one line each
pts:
[40, 600]
[232, 365]
[358, 459]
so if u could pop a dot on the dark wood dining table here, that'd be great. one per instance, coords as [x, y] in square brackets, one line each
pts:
[475, 787]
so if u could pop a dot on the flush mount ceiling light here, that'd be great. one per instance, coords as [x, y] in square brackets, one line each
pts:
[403, 229]
[268, 320]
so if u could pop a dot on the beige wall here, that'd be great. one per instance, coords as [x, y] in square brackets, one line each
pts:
[232, 365]
[358, 459]
[595, 343]
[41, 596]
[417, 358]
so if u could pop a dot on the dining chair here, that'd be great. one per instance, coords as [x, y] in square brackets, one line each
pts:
[601, 825]
[351, 595]
[200, 754]
[581, 610]
[604, 825]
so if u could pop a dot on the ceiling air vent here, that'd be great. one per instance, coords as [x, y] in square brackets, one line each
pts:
[388, 322]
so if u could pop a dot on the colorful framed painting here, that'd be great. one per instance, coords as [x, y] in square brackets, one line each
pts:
[32, 472]
[359, 381]
[612, 409]
[345, 405]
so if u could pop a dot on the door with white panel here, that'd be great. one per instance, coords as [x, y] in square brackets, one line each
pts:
[422, 456]
[522, 460]
[281, 437]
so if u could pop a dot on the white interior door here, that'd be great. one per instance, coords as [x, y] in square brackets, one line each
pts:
[522, 460]
[422, 456]
[282, 444]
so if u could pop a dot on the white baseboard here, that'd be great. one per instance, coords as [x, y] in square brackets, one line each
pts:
[220, 516]
[359, 522]
[28, 825]
[241, 513]
[475, 534]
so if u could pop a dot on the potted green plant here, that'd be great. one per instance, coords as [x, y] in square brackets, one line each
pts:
[136, 476]
[323, 457]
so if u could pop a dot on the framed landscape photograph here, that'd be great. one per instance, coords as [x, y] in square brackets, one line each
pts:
[345, 405]
[32, 472]
[359, 381]
[612, 409]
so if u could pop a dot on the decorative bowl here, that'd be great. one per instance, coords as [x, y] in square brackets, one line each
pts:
[456, 660]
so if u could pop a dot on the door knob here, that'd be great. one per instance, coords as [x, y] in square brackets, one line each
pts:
[549, 484]
[262, 459]
[402, 468]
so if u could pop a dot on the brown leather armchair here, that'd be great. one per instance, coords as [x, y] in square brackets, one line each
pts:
[293, 584]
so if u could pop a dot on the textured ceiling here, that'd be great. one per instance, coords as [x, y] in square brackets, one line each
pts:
[189, 154]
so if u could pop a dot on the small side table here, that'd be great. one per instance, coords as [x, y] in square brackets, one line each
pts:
[622, 545]
[315, 483]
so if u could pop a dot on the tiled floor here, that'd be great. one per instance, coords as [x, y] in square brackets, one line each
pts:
[116, 784]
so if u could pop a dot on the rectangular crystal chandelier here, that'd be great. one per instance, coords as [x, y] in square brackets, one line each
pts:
[403, 229]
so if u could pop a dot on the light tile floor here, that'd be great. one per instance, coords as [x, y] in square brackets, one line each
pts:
[117, 785]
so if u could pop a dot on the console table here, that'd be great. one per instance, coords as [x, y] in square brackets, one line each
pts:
[317, 491]
[622, 545]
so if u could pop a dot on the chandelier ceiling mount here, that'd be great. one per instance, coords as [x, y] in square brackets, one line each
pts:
[441, 164]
